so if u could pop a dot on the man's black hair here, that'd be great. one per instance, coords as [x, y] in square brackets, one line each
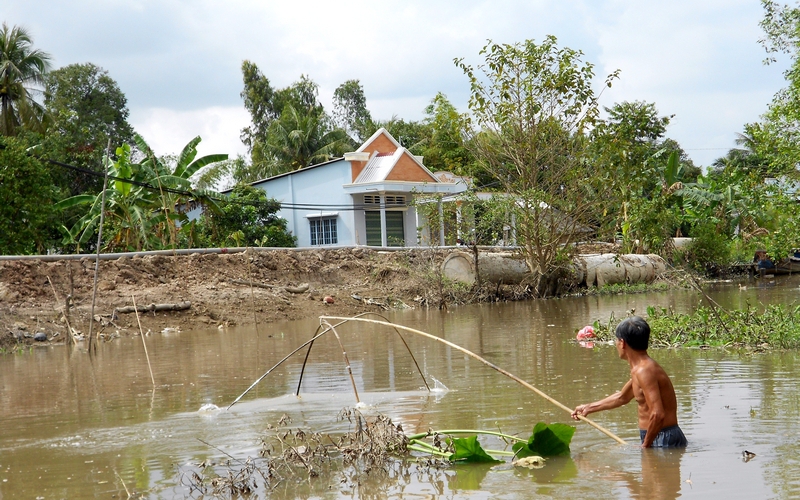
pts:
[635, 332]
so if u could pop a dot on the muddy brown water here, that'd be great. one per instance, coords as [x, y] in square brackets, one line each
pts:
[75, 428]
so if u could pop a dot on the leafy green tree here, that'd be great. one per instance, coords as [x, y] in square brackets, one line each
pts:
[532, 105]
[128, 210]
[247, 218]
[350, 111]
[302, 95]
[88, 112]
[446, 147]
[623, 148]
[22, 70]
[26, 200]
[290, 128]
[259, 100]
[743, 159]
[777, 137]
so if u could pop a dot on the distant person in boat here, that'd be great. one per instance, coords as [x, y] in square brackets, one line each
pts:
[762, 260]
[649, 384]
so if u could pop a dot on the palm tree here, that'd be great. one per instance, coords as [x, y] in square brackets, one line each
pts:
[299, 139]
[22, 68]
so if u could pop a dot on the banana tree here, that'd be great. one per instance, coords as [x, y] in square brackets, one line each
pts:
[128, 208]
[175, 193]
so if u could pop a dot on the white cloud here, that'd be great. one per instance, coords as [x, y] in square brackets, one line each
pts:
[167, 131]
[179, 62]
[697, 60]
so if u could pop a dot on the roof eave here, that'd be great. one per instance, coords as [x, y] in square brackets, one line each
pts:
[404, 187]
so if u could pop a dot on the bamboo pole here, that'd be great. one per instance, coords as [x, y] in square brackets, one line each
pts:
[92, 342]
[141, 334]
[402, 339]
[346, 360]
[487, 363]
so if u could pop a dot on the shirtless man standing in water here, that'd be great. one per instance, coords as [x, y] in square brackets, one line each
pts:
[649, 384]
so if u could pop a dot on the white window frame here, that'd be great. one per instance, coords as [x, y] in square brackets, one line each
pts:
[323, 229]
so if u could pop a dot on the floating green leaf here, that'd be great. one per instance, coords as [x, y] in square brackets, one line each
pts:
[546, 441]
[469, 450]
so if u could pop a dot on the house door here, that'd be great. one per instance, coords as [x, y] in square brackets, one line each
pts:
[395, 232]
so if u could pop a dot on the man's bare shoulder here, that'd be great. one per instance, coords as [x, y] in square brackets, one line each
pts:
[647, 367]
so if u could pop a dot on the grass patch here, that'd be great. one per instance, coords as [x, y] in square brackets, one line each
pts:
[620, 288]
[776, 327]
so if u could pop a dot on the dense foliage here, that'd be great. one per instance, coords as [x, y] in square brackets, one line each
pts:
[246, 218]
[26, 199]
[88, 112]
[145, 202]
[774, 326]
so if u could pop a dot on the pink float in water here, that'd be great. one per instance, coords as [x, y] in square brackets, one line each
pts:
[585, 333]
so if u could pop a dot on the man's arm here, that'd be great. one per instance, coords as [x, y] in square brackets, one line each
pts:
[619, 398]
[648, 381]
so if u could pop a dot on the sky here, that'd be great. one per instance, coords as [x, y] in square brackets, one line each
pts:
[179, 62]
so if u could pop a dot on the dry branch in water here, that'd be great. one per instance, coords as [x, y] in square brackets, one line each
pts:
[374, 447]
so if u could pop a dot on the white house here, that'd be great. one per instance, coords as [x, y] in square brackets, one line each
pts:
[361, 199]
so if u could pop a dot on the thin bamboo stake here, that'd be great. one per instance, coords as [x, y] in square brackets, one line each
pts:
[70, 339]
[252, 293]
[402, 339]
[123, 483]
[92, 343]
[487, 363]
[141, 334]
[346, 360]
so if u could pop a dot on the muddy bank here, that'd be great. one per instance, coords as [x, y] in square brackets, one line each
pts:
[206, 290]
[209, 290]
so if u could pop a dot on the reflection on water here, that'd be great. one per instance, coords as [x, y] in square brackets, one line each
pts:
[75, 428]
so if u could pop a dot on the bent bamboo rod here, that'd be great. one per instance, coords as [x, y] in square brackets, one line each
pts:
[279, 363]
[487, 363]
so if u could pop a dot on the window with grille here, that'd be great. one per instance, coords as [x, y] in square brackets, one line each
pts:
[395, 200]
[323, 231]
[373, 199]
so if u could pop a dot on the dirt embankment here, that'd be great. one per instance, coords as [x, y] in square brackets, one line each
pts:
[44, 297]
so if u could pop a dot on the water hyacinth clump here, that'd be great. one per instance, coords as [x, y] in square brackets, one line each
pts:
[774, 326]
